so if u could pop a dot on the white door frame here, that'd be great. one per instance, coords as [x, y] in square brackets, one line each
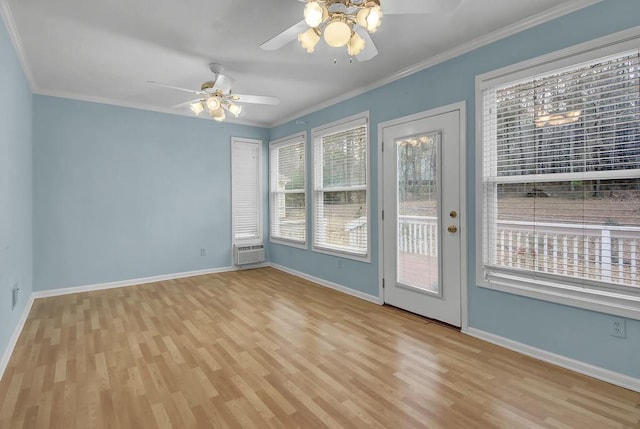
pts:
[461, 107]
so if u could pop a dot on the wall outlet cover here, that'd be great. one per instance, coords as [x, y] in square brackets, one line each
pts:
[619, 328]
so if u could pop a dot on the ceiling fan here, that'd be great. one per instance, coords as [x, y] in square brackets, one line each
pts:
[216, 97]
[350, 23]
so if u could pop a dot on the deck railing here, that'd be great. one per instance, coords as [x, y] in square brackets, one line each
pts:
[599, 252]
[418, 235]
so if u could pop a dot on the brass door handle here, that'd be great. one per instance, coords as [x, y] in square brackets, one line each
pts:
[452, 229]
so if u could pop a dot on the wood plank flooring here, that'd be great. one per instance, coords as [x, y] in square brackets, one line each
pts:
[263, 349]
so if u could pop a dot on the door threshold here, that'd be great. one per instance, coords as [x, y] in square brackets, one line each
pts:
[425, 318]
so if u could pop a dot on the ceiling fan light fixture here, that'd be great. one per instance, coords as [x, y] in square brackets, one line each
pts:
[543, 119]
[356, 44]
[218, 114]
[337, 33]
[213, 103]
[196, 107]
[309, 39]
[235, 109]
[315, 13]
[370, 16]
[217, 100]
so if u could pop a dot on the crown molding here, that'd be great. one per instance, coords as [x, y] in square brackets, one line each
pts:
[510, 30]
[12, 29]
[140, 106]
[553, 13]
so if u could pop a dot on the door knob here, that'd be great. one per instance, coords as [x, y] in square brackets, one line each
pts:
[452, 229]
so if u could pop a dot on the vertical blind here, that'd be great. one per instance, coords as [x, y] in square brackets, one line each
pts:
[561, 173]
[245, 197]
[288, 191]
[340, 186]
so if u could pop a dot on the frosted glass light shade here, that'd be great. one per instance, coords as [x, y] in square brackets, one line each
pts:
[197, 107]
[235, 109]
[213, 103]
[355, 45]
[337, 33]
[315, 13]
[370, 17]
[309, 39]
[218, 114]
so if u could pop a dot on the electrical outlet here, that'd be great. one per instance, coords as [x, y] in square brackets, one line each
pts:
[619, 328]
[203, 252]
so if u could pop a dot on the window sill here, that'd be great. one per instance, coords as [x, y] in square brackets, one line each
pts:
[610, 302]
[290, 243]
[248, 241]
[342, 254]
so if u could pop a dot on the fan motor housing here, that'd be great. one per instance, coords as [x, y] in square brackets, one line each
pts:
[207, 86]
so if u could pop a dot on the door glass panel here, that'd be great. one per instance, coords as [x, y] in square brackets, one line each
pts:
[418, 195]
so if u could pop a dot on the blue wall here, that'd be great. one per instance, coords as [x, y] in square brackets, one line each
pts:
[15, 188]
[572, 332]
[122, 193]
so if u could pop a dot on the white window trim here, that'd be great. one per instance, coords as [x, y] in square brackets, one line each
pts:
[582, 294]
[274, 145]
[330, 128]
[260, 239]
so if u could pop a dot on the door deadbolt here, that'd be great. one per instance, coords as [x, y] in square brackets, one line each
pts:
[453, 214]
[452, 229]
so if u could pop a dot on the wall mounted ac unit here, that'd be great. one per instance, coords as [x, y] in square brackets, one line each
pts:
[245, 255]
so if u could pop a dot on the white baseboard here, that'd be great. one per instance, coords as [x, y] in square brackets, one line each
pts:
[14, 338]
[133, 282]
[371, 298]
[597, 372]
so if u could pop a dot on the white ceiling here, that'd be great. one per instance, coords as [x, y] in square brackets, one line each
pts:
[107, 50]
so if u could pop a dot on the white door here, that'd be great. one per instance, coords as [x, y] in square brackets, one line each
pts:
[421, 203]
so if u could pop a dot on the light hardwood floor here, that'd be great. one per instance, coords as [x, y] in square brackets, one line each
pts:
[264, 349]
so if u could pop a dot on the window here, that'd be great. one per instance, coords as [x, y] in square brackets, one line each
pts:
[246, 156]
[341, 188]
[287, 196]
[560, 180]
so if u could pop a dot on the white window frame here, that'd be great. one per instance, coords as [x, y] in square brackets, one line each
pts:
[591, 295]
[332, 128]
[276, 144]
[260, 193]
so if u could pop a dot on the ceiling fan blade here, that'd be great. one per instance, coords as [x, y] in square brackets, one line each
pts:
[285, 37]
[370, 49]
[406, 7]
[185, 104]
[256, 99]
[192, 91]
[224, 83]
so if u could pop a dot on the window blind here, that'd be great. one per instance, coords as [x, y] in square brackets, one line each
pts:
[561, 173]
[246, 199]
[341, 215]
[288, 191]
